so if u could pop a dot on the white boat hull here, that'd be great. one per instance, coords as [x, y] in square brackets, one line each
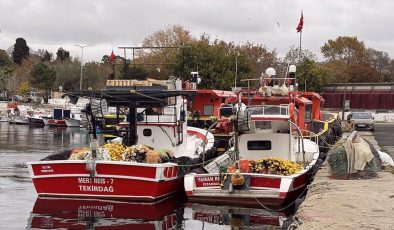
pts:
[70, 122]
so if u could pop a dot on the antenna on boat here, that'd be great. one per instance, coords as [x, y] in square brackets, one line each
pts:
[292, 72]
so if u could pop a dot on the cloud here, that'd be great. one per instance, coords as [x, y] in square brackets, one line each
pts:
[106, 25]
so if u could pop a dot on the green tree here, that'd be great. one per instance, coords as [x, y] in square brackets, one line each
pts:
[47, 57]
[215, 63]
[95, 75]
[43, 76]
[62, 55]
[312, 76]
[21, 51]
[4, 59]
[67, 74]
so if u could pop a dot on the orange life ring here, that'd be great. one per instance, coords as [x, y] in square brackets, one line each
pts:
[292, 111]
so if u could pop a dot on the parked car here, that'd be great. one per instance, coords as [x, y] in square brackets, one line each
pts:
[363, 120]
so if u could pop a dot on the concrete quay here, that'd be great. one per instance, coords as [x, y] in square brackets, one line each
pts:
[352, 204]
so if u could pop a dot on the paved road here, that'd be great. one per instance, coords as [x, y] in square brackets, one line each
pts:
[384, 135]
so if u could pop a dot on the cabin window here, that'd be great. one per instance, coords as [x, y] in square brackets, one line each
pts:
[208, 110]
[263, 125]
[147, 132]
[259, 145]
[308, 113]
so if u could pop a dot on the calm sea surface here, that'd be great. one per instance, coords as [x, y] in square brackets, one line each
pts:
[21, 209]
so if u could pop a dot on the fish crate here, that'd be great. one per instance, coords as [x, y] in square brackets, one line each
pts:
[221, 161]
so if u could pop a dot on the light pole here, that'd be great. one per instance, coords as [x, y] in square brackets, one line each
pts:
[80, 80]
[236, 72]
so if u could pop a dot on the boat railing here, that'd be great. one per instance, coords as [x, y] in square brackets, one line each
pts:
[280, 110]
[307, 134]
[158, 115]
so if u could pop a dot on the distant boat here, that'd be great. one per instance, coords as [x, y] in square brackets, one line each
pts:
[71, 122]
[36, 120]
[46, 119]
[57, 123]
[19, 120]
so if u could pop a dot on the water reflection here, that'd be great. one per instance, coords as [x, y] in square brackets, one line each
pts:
[169, 213]
[237, 217]
[58, 213]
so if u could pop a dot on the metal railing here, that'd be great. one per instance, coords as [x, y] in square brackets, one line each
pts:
[282, 110]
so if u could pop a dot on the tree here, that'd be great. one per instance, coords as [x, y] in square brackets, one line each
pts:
[258, 58]
[95, 75]
[46, 56]
[62, 55]
[380, 61]
[4, 59]
[159, 62]
[67, 74]
[364, 72]
[347, 49]
[294, 56]
[5, 75]
[344, 52]
[43, 76]
[21, 51]
[312, 76]
[215, 63]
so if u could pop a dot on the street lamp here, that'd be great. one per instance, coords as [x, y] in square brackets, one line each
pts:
[80, 80]
[236, 72]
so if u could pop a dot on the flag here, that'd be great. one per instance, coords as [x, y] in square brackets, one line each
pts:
[111, 57]
[300, 24]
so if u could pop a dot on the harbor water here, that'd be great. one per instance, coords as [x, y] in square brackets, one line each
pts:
[22, 209]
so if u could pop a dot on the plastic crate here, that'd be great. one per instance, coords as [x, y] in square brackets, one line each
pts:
[223, 160]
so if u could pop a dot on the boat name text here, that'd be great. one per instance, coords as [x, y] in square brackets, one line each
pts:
[46, 169]
[207, 181]
[87, 184]
[95, 188]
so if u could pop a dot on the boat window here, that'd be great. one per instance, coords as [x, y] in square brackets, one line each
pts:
[308, 113]
[171, 101]
[208, 110]
[147, 132]
[259, 145]
[263, 125]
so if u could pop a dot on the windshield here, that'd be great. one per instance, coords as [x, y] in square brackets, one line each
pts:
[362, 115]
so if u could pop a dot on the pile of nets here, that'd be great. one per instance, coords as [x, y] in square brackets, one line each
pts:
[338, 162]
[117, 152]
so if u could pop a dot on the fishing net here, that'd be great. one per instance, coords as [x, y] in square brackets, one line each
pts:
[337, 160]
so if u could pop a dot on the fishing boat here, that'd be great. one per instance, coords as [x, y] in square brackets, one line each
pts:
[18, 120]
[72, 122]
[46, 119]
[266, 134]
[127, 178]
[66, 213]
[274, 131]
[36, 120]
[204, 111]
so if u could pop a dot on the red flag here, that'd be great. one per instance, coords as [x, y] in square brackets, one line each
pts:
[300, 24]
[111, 57]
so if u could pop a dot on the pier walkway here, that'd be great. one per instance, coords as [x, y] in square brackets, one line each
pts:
[352, 204]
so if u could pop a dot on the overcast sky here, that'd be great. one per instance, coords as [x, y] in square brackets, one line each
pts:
[106, 25]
